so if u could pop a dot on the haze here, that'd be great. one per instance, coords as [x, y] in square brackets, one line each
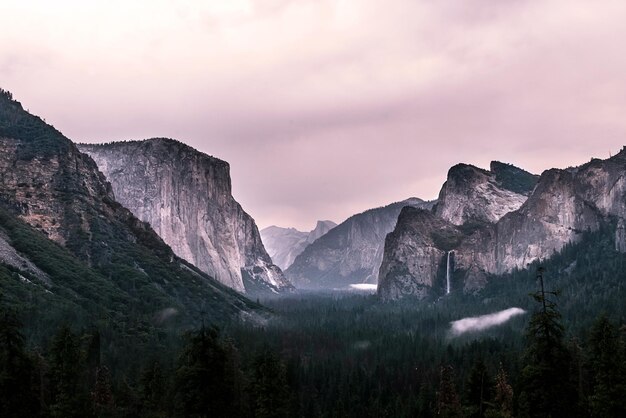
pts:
[328, 108]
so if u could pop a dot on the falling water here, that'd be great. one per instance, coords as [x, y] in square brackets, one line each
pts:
[448, 273]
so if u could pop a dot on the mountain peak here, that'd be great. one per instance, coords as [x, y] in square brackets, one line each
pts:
[513, 178]
[472, 193]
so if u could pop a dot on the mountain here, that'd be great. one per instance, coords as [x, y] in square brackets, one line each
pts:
[473, 194]
[285, 244]
[560, 209]
[185, 195]
[349, 253]
[78, 253]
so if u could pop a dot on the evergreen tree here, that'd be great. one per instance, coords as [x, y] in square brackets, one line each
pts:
[502, 406]
[18, 394]
[606, 362]
[448, 403]
[203, 388]
[66, 376]
[102, 394]
[548, 389]
[153, 388]
[478, 390]
[270, 392]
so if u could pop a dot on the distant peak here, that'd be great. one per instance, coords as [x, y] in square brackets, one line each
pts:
[513, 178]
[498, 166]
[462, 171]
[413, 200]
[325, 223]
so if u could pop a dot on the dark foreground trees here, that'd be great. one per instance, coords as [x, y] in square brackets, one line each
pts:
[548, 388]
[606, 365]
[18, 379]
[329, 358]
[205, 381]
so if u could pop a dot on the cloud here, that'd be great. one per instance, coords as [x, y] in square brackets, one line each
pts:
[483, 322]
[364, 287]
[327, 108]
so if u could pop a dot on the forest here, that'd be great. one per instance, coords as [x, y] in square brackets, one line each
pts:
[345, 354]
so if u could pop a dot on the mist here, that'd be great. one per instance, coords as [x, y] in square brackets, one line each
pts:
[483, 322]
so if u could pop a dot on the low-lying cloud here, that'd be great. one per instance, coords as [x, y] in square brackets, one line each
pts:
[483, 322]
[365, 287]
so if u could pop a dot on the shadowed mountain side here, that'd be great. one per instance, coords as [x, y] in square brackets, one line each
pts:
[351, 252]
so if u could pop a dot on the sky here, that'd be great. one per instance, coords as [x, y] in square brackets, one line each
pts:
[327, 108]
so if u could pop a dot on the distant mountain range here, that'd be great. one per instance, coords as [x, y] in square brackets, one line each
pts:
[141, 227]
[285, 244]
[349, 253]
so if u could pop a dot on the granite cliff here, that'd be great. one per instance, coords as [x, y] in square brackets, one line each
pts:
[499, 229]
[61, 228]
[185, 195]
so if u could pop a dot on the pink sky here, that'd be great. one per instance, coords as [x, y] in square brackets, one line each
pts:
[328, 108]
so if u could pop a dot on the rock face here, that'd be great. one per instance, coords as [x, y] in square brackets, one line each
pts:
[285, 244]
[349, 253]
[416, 254]
[474, 194]
[486, 239]
[185, 196]
[462, 223]
[48, 183]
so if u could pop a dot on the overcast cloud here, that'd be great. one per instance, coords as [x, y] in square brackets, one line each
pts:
[328, 108]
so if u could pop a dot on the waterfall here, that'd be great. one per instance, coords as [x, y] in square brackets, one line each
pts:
[448, 273]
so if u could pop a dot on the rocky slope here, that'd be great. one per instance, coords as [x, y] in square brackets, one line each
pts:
[349, 253]
[49, 190]
[185, 195]
[473, 194]
[285, 244]
[561, 207]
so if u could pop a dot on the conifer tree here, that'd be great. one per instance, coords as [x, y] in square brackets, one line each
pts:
[606, 362]
[548, 388]
[69, 395]
[202, 386]
[102, 394]
[502, 406]
[18, 395]
[270, 391]
[153, 388]
[478, 389]
[448, 403]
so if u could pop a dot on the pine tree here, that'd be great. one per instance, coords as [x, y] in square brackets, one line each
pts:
[69, 395]
[448, 403]
[548, 388]
[478, 389]
[18, 394]
[270, 392]
[202, 386]
[606, 363]
[502, 406]
[153, 388]
[102, 394]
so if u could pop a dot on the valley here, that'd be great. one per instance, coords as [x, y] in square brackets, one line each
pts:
[132, 283]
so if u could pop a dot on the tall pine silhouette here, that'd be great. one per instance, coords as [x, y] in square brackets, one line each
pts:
[548, 389]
